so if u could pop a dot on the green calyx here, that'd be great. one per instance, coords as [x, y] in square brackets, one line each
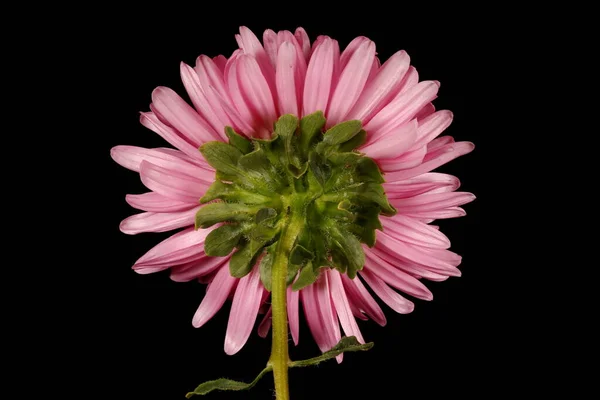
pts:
[317, 179]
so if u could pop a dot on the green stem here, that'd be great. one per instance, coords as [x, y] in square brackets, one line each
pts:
[279, 351]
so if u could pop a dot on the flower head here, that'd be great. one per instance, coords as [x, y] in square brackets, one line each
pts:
[359, 140]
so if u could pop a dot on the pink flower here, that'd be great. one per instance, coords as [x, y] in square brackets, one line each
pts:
[249, 91]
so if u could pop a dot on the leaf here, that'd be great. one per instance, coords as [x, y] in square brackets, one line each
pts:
[213, 213]
[232, 193]
[221, 241]
[319, 168]
[266, 216]
[310, 127]
[368, 168]
[286, 127]
[242, 260]
[266, 266]
[342, 132]
[356, 141]
[258, 168]
[347, 344]
[299, 255]
[221, 156]
[238, 141]
[228, 384]
[307, 277]
[350, 247]
[379, 198]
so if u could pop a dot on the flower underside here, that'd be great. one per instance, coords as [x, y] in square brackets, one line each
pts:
[334, 192]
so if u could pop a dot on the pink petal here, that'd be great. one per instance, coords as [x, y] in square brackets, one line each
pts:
[220, 62]
[432, 126]
[382, 88]
[410, 159]
[172, 184]
[452, 151]
[342, 306]
[441, 261]
[265, 324]
[411, 78]
[154, 202]
[271, 45]
[293, 317]
[360, 297]
[420, 184]
[255, 89]
[351, 49]
[451, 212]
[410, 230]
[244, 310]
[251, 46]
[319, 77]
[425, 112]
[131, 158]
[215, 297]
[387, 294]
[286, 79]
[402, 108]
[212, 83]
[203, 105]
[150, 121]
[430, 202]
[374, 69]
[351, 83]
[211, 75]
[202, 267]
[158, 222]
[182, 117]
[412, 268]
[437, 147]
[303, 41]
[318, 311]
[182, 247]
[395, 277]
[393, 144]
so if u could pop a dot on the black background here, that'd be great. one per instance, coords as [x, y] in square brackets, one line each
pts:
[144, 341]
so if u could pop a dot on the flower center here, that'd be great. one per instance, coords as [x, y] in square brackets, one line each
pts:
[333, 192]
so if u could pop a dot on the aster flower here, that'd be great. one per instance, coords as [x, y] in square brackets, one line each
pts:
[387, 116]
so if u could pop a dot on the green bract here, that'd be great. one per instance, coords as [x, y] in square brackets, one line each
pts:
[315, 180]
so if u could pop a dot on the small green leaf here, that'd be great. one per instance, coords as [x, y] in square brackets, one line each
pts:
[368, 168]
[292, 271]
[221, 241]
[299, 255]
[356, 141]
[379, 198]
[228, 384]
[345, 345]
[266, 266]
[350, 247]
[232, 193]
[319, 168]
[346, 160]
[310, 127]
[259, 169]
[238, 141]
[286, 128]
[342, 132]
[243, 260]
[266, 216]
[213, 213]
[307, 277]
[221, 156]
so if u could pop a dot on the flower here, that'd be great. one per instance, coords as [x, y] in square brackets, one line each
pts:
[249, 91]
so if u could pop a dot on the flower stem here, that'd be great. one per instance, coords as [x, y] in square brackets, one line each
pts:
[279, 351]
